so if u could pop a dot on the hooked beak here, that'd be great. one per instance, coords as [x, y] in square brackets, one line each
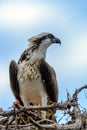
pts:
[56, 40]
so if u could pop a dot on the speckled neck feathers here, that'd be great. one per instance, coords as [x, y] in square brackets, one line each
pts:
[32, 54]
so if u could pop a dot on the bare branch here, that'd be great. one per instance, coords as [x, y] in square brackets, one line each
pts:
[20, 117]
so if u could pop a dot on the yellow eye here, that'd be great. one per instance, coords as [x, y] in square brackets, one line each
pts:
[50, 36]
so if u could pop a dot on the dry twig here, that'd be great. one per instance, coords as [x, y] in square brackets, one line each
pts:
[20, 117]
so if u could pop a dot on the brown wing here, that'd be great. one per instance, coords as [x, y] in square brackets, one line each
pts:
[13, 71]
[49, 78]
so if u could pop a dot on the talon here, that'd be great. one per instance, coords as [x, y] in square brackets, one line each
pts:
[16, 102]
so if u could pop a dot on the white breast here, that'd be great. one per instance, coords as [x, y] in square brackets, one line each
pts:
[32, 89]
[33, 92]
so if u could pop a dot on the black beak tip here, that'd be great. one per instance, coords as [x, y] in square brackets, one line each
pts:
[55, 40]
[58, 41]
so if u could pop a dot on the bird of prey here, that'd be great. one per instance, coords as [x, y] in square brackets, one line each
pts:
[32, 79]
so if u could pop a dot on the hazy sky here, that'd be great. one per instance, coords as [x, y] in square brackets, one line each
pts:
[66, 19]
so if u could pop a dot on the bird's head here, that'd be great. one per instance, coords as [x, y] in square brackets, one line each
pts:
[41, 42]
[44, 40]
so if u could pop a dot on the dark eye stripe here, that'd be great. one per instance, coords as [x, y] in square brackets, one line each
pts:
[38, 41]
[44, 37]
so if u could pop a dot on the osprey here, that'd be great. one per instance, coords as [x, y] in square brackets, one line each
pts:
[32, 79]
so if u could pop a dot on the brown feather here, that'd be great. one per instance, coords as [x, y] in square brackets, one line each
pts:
[49, 78]
[13, 71]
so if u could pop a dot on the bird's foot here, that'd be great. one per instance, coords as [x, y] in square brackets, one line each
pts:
[16, 102]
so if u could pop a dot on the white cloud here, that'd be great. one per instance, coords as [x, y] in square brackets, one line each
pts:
[4, 77]
[22, 13]
[78, 54]
[74, 58]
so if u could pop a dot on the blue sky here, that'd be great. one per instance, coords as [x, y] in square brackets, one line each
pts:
[67, 20]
